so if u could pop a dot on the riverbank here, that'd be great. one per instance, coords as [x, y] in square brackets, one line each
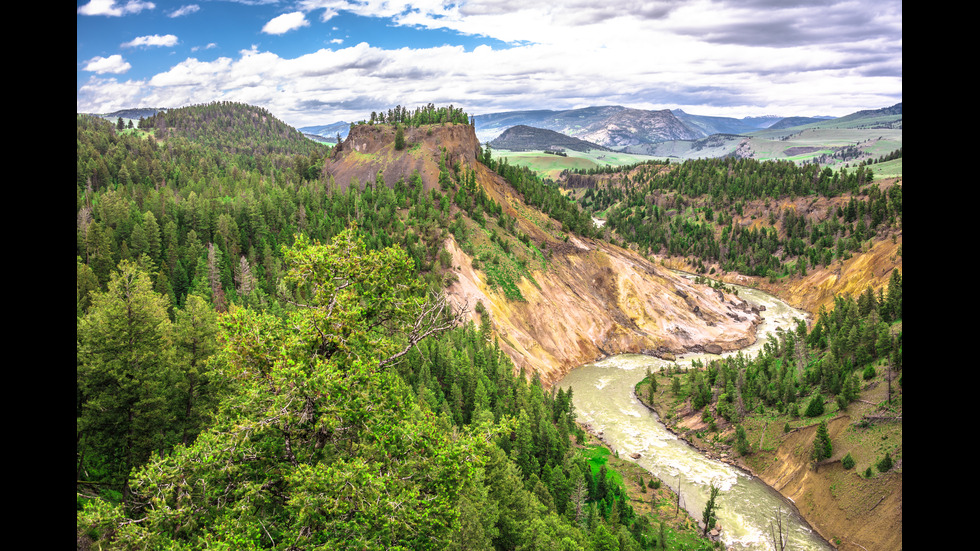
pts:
[648, 495]
[848, 509]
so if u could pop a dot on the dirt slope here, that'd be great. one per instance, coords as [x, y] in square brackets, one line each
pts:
[596, 300]
[846, 508]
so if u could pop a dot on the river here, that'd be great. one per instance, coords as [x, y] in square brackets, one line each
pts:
[603, 399]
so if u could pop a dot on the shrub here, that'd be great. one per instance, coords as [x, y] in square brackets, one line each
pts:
[399, 138]
[815, 406]
[848, 461]
[741, 442]
[885, 464]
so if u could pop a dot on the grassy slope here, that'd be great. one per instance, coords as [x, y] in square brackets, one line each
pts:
[797, 144]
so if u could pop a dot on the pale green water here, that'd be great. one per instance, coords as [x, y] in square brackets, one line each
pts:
[603, 398]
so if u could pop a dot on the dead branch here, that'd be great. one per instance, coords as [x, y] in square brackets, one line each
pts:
[430, 321]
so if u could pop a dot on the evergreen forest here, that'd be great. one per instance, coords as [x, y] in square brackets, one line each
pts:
[265, 359]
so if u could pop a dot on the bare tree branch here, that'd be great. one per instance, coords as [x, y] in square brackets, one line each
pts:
[777, 535]
[430, 321]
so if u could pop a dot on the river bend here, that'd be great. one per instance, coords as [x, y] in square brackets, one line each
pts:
[603, 399]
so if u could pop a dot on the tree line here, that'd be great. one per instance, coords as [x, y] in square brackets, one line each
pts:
[693, 210]
[420, 116]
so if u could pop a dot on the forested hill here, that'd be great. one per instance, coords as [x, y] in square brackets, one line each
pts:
[231, 128]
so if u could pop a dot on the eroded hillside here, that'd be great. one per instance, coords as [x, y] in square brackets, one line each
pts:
[596, 300]
[584, 300]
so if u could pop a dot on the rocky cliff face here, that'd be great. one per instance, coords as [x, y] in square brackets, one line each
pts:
[596, 300]
[370, 149]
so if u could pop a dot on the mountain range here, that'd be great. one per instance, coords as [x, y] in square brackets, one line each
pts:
[648, 132]
[638, 130]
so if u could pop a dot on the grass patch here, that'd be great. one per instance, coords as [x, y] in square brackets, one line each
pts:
[597, 456]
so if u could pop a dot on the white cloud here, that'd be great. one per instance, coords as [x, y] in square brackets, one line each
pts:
[191, 72]
[105, 95]
[285, 23]
[151, 40]
[185, 10]
[209, 46]
[113, 64]
[327, 15]
[708, 58]
[113, 8]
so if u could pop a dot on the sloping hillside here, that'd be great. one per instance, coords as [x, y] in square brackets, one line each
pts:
[871, 268]
[580, 299]
[526, 138]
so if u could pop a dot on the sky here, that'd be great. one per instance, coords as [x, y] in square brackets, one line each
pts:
[312, 62]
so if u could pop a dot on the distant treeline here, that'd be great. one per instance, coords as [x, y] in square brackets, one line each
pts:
[428, 114]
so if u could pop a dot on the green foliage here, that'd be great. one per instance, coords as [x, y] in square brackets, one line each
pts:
[742, 445]
[848, 461]
[689, 210]
[815, 407]
[420, 116]
[822, 446]
[885, 464]
[709, 516]
[123, 375]
[318, 445]
[399, 138]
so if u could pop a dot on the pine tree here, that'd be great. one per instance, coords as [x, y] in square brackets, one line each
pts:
[124, 369]
[822, 446]
[814, 407]
[710, 514]
[885, 464]
[741, 441]
[399, 138]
